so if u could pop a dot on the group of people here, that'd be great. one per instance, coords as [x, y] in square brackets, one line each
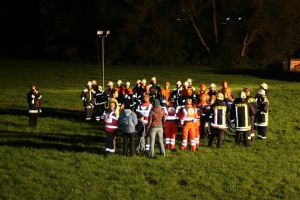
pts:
[147, 110]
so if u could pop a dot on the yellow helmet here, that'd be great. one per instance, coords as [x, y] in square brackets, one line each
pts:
[242, 95]
[220, 96]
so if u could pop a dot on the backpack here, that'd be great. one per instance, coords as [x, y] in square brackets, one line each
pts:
[127, 120]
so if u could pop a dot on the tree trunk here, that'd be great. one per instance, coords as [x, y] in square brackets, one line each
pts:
[215, 21]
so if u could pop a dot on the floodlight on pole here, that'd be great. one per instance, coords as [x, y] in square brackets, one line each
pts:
[103, 34]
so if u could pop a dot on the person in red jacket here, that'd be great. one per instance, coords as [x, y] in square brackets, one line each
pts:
[188, 119]
[111, 127]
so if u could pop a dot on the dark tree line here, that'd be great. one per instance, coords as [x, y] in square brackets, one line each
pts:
[162, 32]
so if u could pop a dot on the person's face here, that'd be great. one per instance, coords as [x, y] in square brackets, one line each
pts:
[248, 93]
[112, 105]
[115, 94]
[33, 89]
[178, 85]
[110, 86]
[225, 85]
[167, 86]
[89, 86]
[185, 86]
[213, 88]
[190, 83]
[154, 81]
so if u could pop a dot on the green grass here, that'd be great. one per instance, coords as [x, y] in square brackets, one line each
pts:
[63, 158]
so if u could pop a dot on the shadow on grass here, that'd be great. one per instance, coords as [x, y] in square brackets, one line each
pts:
[57, 141]
[76, 115]
[263, 74]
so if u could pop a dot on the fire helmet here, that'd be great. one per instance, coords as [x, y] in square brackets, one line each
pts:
[220, 96]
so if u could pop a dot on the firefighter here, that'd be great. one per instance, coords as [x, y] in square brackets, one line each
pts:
[155, 90]
[171, 128]
[264, 86]
[188, 119]
[225, 86]
[165, 94]
[99, 100]
[228, 101]
[212, 90]
[186, 93]
[262, 114]
[190, 82]
[137, 93]
[203, 99]
[241, 114]
[218, 120]
[87, 97]
[251, 100]
[144, 108]
[108, 93]
[127, 94]
[119, 88]
[176, 93]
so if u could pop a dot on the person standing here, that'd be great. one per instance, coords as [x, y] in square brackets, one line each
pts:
[127, 94]
[119, 88]
[218, 112]
[262, 114]
[171, 123]
[251, 100]
[108, 93]
[128, 121]
[155, 90]
[176, 93]
[165, 94]
[87, 97]
[157, 118]
[33, 100]
[188, 120]
[111, 127]
[140, 134]
[241, 114]
[99, 100]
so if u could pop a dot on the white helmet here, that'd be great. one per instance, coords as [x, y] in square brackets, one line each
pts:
[186, 83]
[178, 83]
[110, 83]
[127, 83]
[119, 82]
[262, 92]
[264, 86]
[213, 85]
[89, 83]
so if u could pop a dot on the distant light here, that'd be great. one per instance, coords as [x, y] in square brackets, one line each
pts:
[240, 18]
[227, 19]
[108, 32]
[178, 19]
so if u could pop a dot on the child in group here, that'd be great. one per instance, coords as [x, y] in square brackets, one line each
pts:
[140, 134]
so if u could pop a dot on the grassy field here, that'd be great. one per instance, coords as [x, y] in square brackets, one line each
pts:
[63, 158]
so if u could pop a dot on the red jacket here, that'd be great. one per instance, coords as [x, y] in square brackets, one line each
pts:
[111, 121]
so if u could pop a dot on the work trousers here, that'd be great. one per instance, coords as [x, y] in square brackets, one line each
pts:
[246, 137]
[88, 113]
[215, 132]
[33, 118]
[171, 131]
[197, 132]
[262, 132]
[188, 129]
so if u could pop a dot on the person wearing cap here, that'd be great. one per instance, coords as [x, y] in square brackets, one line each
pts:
[127, 93]
[111, 127]
[171, 128]
[108, 93]
[190, 82]
[119, 88]
[218, 123]
[228, 90]
[155, 90]
[33, 100]
[87, 96]
[203, 99]
[157, 119]
[202, 96]
[262, 114]
[176, 93]
[143, 84]
[188, 119]
[128, 121]
[251, 100]
[241, 114]
[264, 86]
[140, 133]
[137, 93]
[99, 100]
[144, 108]
[186, 93]
[165, 94]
